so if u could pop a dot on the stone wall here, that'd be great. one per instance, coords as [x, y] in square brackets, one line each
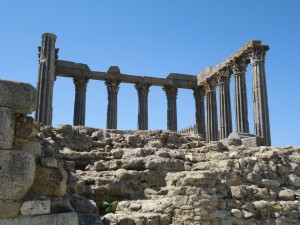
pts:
[24, 163]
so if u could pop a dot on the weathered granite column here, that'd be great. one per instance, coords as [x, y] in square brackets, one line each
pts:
[112, 107]
[225, 104]
[259, 93]
[80, 99]
[143, 90]
[199, 94]
[240, 95]
[47, 59]
[211, 111]
[171, 92]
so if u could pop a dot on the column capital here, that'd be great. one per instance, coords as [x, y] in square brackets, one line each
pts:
[112, 85]
[210, 85]
[171, 90]
[80, 82]
[257, 54]
[142, 88]
[223, 76]
[239, 65]
[199, 91]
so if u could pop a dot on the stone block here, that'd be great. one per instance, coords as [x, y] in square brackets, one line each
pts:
[294, 180]
[252, 141]
[36, 207]
[25, 130]
[50, 181]
[7, 128]
[20, 97]
[49, 162]
[17, 170]
[287, 195]
[53, 219]
[9, 209]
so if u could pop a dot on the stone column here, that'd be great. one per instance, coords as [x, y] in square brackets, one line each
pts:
[211, 111]
[80, 99]
[240, 95]
[259, 94]
[199, 94]
[46, 77]
[225, 104]
[112, 107]
[171, 92]
[143, 90]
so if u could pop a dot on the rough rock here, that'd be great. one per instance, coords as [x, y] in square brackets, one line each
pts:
[20, 97]
[35, 207]
[50, 182]
[61, 219]
[7, 128]
[17, 171]
[9, 209]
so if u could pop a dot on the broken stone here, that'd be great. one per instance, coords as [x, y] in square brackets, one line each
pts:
[50, 181]
[9, 209]
[17, 171]
[35, 207]
[287, 195]
[19, 97]
[294, 180]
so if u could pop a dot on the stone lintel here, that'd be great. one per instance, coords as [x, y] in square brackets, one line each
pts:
[71, 69]
[209, 72]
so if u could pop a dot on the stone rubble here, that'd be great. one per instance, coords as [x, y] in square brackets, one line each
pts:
[162, 177]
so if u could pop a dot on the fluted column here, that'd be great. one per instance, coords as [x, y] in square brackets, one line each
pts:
[171, 92]
[199, 94]
[112, 107]
[80, 100]
[211, 111]
[225, 104]
[240, 95]
[142, 90]
[46, 77]
[259, 94]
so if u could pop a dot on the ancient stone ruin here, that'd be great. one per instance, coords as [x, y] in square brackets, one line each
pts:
[203, 85]
[77, 175]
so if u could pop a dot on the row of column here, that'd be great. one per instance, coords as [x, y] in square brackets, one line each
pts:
[48, 57]
[112, 90]
[259, 97]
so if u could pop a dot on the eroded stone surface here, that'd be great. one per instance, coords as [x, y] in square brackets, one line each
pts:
[7, 128]
[178, 180]
[20, 97]
[54, 219]
[17, 170]
[35, 207]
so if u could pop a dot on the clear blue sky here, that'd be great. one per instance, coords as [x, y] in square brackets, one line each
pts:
[155, 38]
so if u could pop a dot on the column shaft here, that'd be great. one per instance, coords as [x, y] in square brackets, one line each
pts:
[199, 94]
[112, 110]
[259, 94]
[46, 77]
[143, 90]
[80, 100]
[171, 92]
[240, 95]
[225, 107]
[211, 112]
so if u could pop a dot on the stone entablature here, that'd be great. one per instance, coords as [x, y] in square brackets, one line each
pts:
[217, 126]
[71, 69]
